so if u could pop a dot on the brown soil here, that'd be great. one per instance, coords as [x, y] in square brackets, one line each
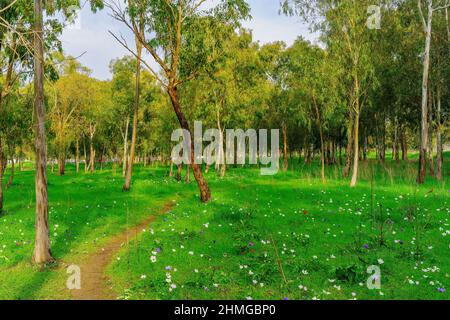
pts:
[95, 284]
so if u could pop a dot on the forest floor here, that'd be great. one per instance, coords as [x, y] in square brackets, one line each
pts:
[283, 237]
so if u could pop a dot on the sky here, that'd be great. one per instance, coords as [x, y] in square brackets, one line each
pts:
[88, 38]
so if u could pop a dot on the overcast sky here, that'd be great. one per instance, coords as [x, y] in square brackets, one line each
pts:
[90, 34]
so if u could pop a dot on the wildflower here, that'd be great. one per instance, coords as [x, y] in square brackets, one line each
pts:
[441, 290]
[168, 268]
[366, 246]
[153, 259]
[380, 261]
[251, 244]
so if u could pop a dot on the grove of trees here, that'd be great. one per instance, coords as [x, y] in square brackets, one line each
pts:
[357, 90]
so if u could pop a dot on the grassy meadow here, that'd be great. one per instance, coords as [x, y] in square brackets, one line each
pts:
[283, 237]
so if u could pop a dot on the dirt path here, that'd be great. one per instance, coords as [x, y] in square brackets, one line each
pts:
[95, 285]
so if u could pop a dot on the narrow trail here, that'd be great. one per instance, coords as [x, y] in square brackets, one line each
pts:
[95, 284]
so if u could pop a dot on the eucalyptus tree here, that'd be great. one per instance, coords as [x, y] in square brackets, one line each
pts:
[233, 92]
[344, 29]
[439, 89]
[276, 67]
[42, 253]
[312, 76]
[182, 37]
[67, 97]
[140, 29]
[123, 96]
[427, 9]
[7, 59]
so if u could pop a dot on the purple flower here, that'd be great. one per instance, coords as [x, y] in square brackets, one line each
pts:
[168, 268]
[251, 244]
[441, 290]
[158, 250]
[285, 298]
[366, 246]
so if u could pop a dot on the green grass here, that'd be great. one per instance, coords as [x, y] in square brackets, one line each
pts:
[84, 211]
[326, 236]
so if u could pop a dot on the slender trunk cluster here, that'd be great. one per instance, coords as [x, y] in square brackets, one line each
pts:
[129, 172]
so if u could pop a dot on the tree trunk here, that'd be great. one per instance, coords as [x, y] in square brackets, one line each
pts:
[205, 194]
[350, 134]
[102, 153]
[404, 144]
[125, 148]
[355, 153]
[220, 162]
[77, 156]
[188, 174]
[42, 253]
[396, 154]
[322, 147]
[430, 133]
[11, 177]
[127, 185]
[223, 170]
[85, 158]
[91, 155]
[440, 151]
[365, 148]
[285, 148]
[179, 167]
[356, 136]
[62, 164]
[426, 70]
